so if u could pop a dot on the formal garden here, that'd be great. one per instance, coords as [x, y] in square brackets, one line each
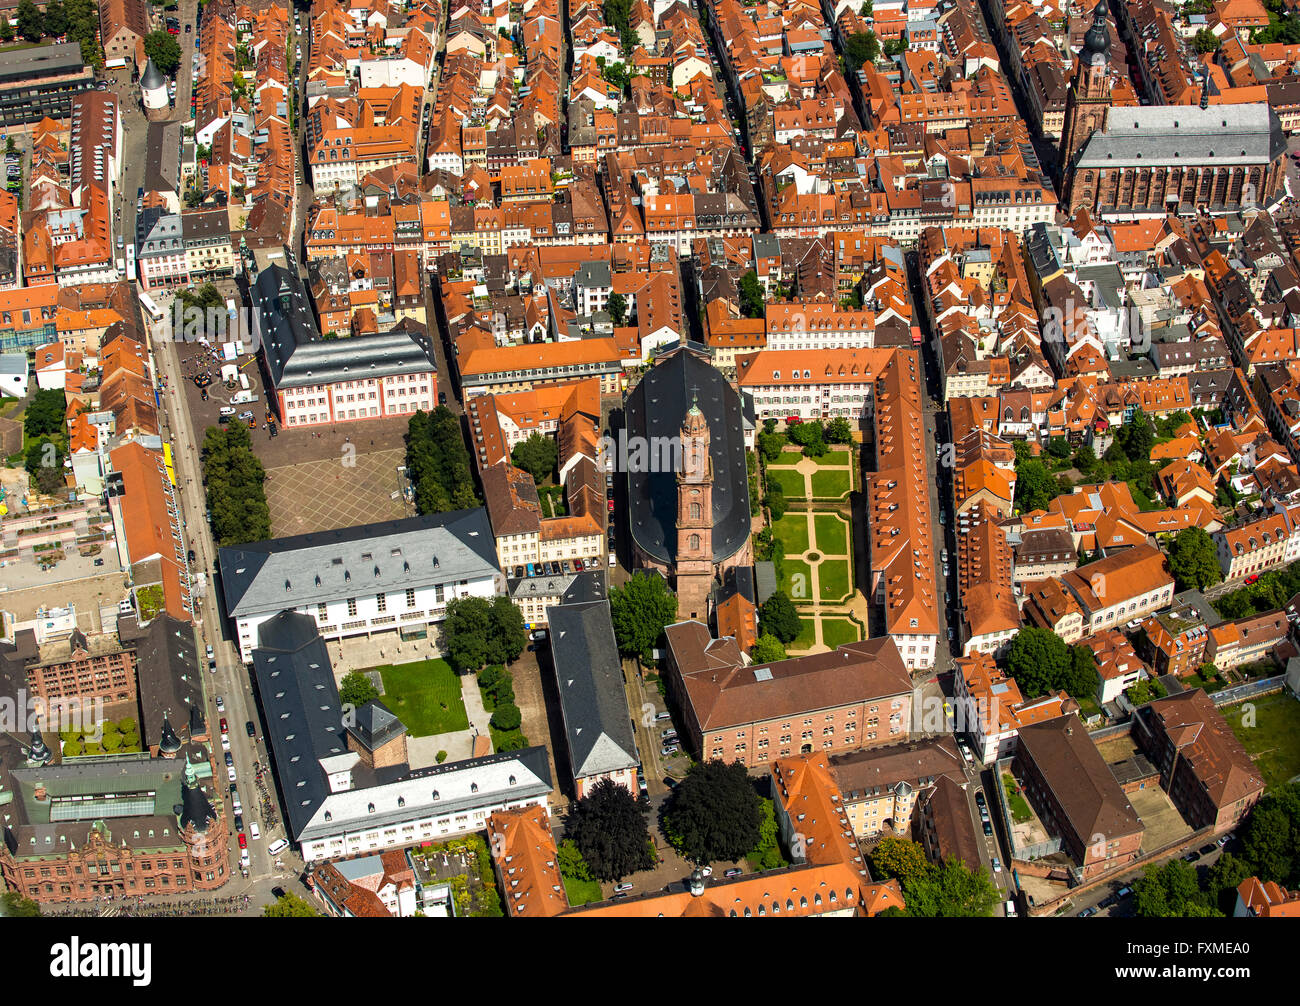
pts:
[807, 475]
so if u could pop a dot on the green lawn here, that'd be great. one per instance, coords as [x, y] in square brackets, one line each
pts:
[836, 459]
[1020, 812]
[831, 483]
[1269, 728]
[789, 458]
[792, 532]
[581, 892]
[790, 481]
[832, 534]
[796, 581]
[425, 696]
[807, 636]
[833, 579]
[836, 631]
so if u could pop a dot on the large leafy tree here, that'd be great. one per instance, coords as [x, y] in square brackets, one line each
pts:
[45, 413]
[1038, 659]
[164, 50]
[609, 828]
[56, 19]
[1193, 559]
[640, 609]
[509, 637]
[289, 906]
[478, 631]
[767, 649]
[537, 456]
[1171, 891]
[951, 891]
[1035, 487]
[778, 617]
[356, 690]
[1136, 438]
[899, 859]
[235, 482]
[14, 906]
[437, 462]
[31, 25]
[617, 309]
[753, 301]
[1272, 836]
[715, 814]
[862, 47]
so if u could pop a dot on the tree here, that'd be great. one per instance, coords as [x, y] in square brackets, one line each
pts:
[1205, 41]
[56, 19]
[1137, 437]
[617, 309]
[45, 413]
[753, 301]
[1085, 460]
[809, 436]
[31, 25]
[1194, 560]
[508, 635]
[1271, 837]
[507, 717]
[1038, 660]
[437, 462]
[1170, 891]
[778, 617]
[164, 50]
[714, 813]
[356, 690]
[900, 859]
[775, 501]
[289, 906]
[14, 906]
[838, 431]
[951, 891]
[465, 632]
[537, 456]
[6, 30]
[608, 827]
[1080, 679]
[640, 609]
[767, 649]
[861, 48]
[569, 859]
[235, 486]
[1035, 487]
[766, 855]
[1223, 879]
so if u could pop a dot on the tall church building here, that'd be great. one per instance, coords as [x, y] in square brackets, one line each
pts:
[688, 503]
[1088, 102]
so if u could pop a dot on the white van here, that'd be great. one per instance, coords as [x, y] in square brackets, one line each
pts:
[278, 846]
[254, 832]
[1011, 908]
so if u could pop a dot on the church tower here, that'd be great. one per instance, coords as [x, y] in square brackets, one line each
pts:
[694, 571]
[1088, 102]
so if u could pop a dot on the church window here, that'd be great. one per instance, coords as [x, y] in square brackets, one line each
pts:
[695, 541]
[695, 511]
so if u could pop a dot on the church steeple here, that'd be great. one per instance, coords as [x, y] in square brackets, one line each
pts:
[694, 514]
[1087, 105]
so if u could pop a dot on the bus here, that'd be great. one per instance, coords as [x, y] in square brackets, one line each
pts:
[130, 263]
[150, 308]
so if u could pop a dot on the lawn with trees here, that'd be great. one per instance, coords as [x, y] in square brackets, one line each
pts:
[1271, 591]
[608, 826]
[437, 463]
[46, 414]
[356, 690]
[235, 484]
[425, 695]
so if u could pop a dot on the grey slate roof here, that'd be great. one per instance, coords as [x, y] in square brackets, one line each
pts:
[301, 706]
[589, 674]
[1160, 135]
[326, 565]
[297, 356]
[656, 408]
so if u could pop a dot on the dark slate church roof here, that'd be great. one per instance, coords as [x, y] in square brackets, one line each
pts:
[656, 409]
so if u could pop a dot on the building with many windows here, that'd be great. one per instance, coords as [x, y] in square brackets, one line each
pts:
[349, 788]
[393, 576]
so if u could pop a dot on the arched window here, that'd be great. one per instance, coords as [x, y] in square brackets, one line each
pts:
[695, 511]
[695, 542]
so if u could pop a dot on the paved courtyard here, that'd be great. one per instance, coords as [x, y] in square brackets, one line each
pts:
[320, 495]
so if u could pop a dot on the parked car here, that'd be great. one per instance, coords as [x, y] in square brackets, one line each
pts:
[988, 828]
[621, 888]
[519, 572]
[1123, 893]
[230, 759]
[1225, 839]
[250, 729]
[191, 556]
[668, 751]
[99, 562]
[224, 728]
[243, 840]
[997, 865]
[735, 871]
[221, 704]
[230, 773]
[209, 648]
[225, 742]
[1253, 578]
[1205, 850]
[660, 717]
[239, 822]
[670, 782]
[577, 565]
[980, 799]
[1192, 857]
